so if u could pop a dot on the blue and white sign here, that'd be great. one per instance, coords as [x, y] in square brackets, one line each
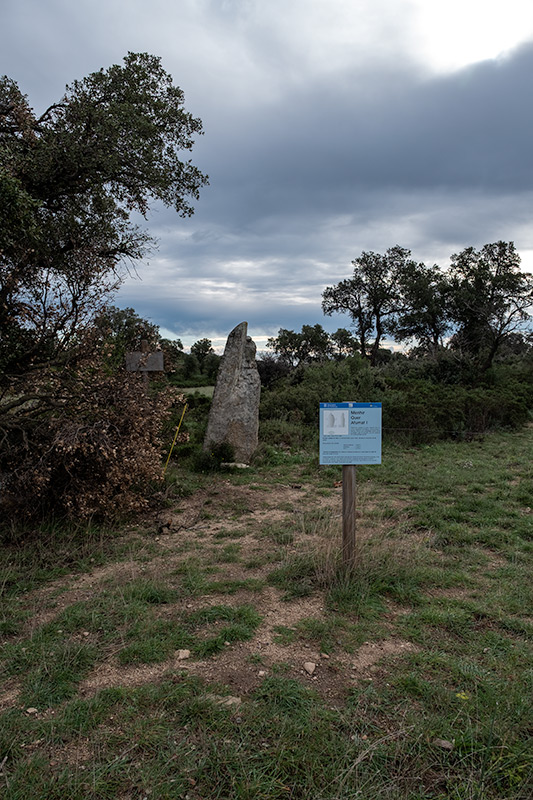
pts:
[350, 433]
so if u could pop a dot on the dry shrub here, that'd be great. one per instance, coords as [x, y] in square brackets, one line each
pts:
[94, 452]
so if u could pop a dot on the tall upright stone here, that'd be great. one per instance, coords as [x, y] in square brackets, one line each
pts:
[234, 415]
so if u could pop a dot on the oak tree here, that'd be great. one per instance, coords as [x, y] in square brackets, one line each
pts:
[72, 181]
[69, 182]
[371, 296]
[201, 350]
[423, 313]
[490, 299]
[312, 344]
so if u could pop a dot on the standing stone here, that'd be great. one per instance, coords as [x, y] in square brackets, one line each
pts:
[234, 415]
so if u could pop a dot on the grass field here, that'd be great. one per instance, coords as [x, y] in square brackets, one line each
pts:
[219, 651]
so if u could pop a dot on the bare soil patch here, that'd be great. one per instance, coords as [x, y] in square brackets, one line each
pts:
[196, 526]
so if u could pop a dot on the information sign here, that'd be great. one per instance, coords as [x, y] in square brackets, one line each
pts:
[350, 433]
[145, 362]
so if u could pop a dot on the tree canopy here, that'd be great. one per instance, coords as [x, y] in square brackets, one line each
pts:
[312, 344]
[371, 296]
[202, 349]
[69, 182]
[422, 312]
[474, 306]
[490, 298]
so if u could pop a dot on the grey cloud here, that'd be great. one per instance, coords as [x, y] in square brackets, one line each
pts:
[315, 152]
[468, 129]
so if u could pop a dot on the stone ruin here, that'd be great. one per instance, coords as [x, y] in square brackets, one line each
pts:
[234, 414]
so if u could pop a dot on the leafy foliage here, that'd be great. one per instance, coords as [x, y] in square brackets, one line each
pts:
[69, 181]
[313, 344]
[371, 296]
[483, 299]
[490, 298]
[423, 400]
[94, 457]
[202, 349]
[423, 309]
[296, 398]
[271, 369]
[122, 331]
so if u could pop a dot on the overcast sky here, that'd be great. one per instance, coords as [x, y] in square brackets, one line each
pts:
[331, 127]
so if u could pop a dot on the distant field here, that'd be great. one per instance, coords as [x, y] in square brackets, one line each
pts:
[207, 390]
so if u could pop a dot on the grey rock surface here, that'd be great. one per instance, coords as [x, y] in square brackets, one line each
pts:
[234, 415]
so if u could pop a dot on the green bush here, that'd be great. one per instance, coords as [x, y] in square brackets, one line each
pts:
[297, 397]
[417, 408]
[211, 460]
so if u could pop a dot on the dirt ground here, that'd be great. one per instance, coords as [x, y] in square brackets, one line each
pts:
[203, 524]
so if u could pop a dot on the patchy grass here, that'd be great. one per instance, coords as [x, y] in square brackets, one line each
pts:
[421, 687]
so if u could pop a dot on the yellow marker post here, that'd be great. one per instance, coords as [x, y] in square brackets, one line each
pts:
[175, 437]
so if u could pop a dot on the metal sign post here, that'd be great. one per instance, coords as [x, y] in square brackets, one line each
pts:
[350, 434]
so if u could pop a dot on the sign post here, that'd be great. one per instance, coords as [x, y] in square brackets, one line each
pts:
[348, 515]
[350, 434]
